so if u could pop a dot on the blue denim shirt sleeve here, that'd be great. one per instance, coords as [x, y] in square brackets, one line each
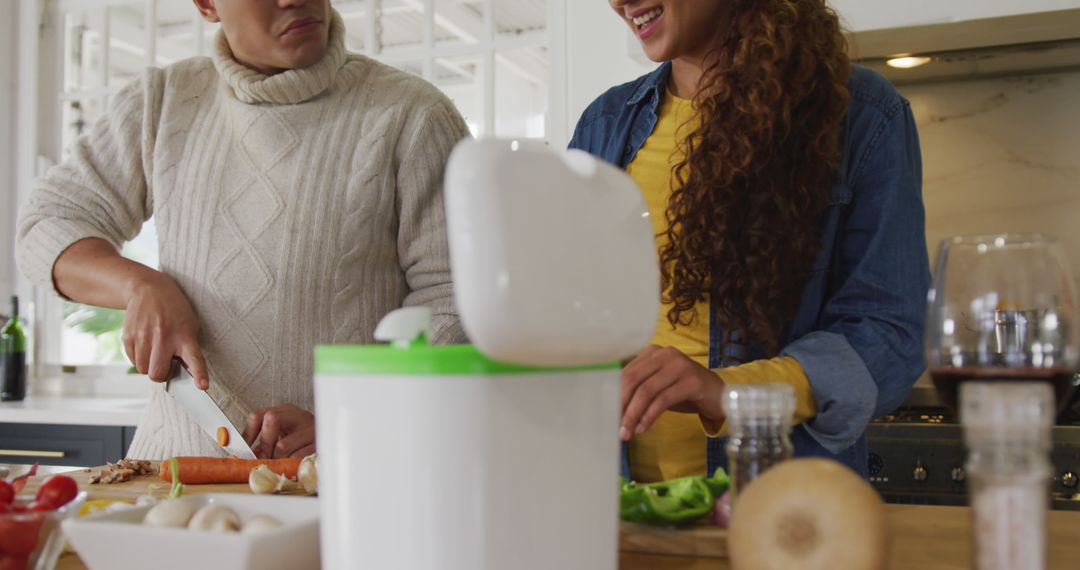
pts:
[865, 351]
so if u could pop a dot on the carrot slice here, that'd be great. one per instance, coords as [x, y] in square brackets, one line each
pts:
[208, 470]
[222, 436]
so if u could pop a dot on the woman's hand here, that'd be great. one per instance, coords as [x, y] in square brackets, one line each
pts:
[159, 324]
[662, 378]
[282, 431]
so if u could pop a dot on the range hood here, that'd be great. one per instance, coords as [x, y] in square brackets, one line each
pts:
[1011, 45]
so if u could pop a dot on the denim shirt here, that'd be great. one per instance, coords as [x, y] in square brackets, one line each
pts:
[858, 330]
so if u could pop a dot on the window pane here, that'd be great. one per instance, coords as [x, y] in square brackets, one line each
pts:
[354, 13]
[516, 17]
[91, 335]
[402, 24]
[460, 79]
[181, 32]
[127, 42]
[77, 116]
[82, 47]
[459, 23]
[521, 92]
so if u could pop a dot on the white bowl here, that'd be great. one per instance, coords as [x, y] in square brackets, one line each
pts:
[118, 540]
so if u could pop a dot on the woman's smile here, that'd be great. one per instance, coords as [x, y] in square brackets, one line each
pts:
[646, 21]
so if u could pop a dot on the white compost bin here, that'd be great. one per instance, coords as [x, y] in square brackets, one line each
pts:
[503, 455]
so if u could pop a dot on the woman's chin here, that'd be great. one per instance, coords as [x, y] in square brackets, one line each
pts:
[656, 51]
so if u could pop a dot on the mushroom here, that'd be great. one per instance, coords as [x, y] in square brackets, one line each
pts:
[260, 524]
[171, 514]
[215, 518]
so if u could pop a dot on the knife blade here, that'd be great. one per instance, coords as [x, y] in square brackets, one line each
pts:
[205, 412]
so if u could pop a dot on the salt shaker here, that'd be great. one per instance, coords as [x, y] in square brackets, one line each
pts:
[1007, 430]
[759, 424]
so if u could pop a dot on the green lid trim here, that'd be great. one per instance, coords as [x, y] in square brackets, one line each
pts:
[459, 359]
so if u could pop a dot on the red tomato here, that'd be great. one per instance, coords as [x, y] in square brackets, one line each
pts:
[5, 508]
[57, 491]
[7, 492]
[40, 507]
[13, 562]
[19, 535]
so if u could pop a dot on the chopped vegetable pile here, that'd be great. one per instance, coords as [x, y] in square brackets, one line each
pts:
[671, 502]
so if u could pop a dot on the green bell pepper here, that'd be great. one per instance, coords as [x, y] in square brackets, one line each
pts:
[671, 502]
[719, 483]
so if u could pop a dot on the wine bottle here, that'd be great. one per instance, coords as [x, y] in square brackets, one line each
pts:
[13, 357]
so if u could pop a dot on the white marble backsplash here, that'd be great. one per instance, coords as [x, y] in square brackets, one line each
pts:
[1001, 155]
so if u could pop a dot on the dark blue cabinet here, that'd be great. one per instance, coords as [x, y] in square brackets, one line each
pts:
[53, 444]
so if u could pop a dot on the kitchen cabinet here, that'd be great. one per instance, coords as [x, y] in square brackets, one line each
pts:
[861, 15]
[54, 444]
[75, 431]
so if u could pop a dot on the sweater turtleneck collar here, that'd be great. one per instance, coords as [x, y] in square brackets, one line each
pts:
[290, 86]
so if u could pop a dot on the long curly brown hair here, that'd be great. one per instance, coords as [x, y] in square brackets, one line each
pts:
[744, 222]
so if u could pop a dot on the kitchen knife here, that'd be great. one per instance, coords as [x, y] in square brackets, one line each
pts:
[202, 408]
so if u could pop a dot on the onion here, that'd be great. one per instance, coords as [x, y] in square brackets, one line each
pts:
[810, 514]
[721, 514]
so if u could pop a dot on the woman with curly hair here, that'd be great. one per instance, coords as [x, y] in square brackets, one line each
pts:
[784, 187]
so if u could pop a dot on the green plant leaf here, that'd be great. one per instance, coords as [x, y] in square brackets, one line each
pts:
[96, 321]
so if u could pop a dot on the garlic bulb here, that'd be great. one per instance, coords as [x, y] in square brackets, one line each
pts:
[264, 481]
[215, 518]
[260, 524]
[172, 513]
[308, 475]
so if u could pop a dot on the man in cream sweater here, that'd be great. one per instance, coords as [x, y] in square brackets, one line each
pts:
[296, 190]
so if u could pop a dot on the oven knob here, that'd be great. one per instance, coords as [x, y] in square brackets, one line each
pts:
[1069, 479]
[957, 474]
[920, 473]
[875, 463]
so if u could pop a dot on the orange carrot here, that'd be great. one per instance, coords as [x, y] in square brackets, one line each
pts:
[222, 436]
[209, 470]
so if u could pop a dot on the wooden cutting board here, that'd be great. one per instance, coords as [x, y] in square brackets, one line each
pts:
[700, 541]
[135, 488]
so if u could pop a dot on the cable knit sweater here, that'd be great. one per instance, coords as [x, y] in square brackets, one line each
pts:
[293, 210]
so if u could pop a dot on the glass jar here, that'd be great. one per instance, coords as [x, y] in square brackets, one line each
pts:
[759, 424]
[1007, 430]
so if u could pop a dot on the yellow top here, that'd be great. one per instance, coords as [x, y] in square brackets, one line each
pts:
[675, 445]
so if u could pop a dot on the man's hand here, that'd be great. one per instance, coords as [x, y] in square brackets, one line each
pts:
[662, 378]
[282, 431]
[159, 324]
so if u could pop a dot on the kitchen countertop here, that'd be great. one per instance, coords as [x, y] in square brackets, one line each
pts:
[73, 411]
[923, 537]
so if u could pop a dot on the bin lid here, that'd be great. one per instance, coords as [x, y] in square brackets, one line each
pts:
[408, 353]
